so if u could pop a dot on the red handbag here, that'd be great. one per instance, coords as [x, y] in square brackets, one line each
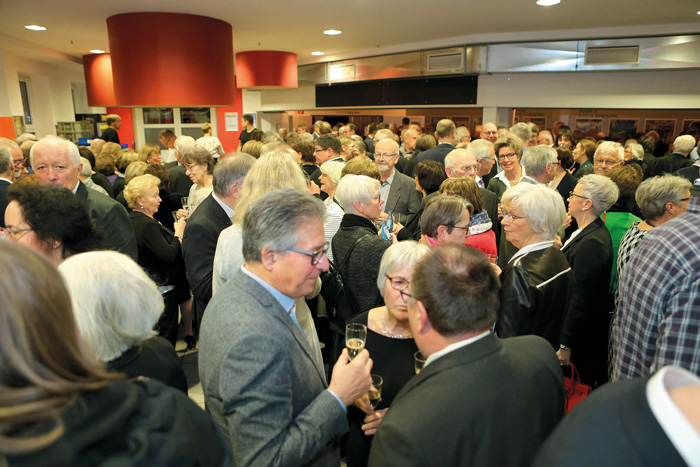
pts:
[576, 391]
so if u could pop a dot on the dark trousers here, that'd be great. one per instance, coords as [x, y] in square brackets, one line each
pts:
[167, 323]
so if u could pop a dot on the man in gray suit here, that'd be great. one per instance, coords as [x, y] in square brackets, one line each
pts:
[262, 381]
[397, 190]
[57, 162]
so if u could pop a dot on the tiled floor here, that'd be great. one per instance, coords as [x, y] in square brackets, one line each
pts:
[189, 364]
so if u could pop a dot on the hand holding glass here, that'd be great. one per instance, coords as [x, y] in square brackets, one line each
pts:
[355, 338]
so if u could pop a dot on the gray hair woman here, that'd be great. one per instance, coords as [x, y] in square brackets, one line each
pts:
[116, 326]
[389, 341]
[589, 251]
[535, 283]
[445, 220]
[330, 177]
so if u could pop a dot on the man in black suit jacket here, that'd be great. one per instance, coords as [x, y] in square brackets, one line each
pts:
[179, 180]
[398, 191]
[445, 135]
[478, 400]
[57, 162]
[206, 223]
[678, 159]
[6, 176]
[629, 423]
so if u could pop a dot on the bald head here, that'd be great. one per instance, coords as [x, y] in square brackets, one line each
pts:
[56, 162]
[545, 138]
[409, 139]
[461, 163]
[489, 132]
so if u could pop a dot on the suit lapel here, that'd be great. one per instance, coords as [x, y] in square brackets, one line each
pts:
[394, 191]
[272, 306]
[218, 211]
[595, 225]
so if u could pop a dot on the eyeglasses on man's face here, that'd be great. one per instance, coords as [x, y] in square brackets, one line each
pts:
[315, 255]
[384, 156]
[605, 162]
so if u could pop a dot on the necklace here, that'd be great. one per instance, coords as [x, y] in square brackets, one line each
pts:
[386, 332]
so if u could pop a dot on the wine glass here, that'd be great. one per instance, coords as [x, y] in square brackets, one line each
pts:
[375, 392]
[185, 202]
[419, 361]
[355, 338]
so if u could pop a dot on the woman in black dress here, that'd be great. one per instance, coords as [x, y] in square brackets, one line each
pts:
[391, 344]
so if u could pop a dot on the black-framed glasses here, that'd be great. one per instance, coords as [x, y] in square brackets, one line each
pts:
[452, 226]
[607, 163]
[12, 233]
[512, 216]
[510, 155]
[398, 283]
[384, 156]
[315, 255]
[684, 199]
[572, 195]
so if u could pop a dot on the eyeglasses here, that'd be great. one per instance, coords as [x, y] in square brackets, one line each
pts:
[572, 195]
[315, 255]
[398, 283]
[405, 295]
[489, 132]
[466, 229]
[318, 150]
[512, 216]
[470, 168]
[684, 199]
[18, 162]
[510, 155]
[607, 163]
[556, 163]
[384, 156]
[13, 233]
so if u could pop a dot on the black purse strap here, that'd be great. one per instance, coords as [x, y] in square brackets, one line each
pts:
[347, 255]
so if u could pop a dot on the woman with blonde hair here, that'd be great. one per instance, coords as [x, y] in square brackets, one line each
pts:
[150, 154]
[273, 171]
[54, 390]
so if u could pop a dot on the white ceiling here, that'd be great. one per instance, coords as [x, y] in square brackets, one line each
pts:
[369, 27]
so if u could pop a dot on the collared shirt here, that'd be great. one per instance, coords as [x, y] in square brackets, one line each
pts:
[75, 189]
[502, 177]
[532, 247]
[385, 188]
[287, 303]
[452, 347]
[224, 206]
[532, 180]
[479, 181]
[659, 303]
[7, 180]
[674, 423]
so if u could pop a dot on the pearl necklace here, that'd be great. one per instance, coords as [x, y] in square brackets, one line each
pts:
[388, 333]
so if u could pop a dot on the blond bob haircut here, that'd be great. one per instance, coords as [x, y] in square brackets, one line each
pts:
[134, 170]
[146, 151]
[110, 321]
[139, 186]
[273, 171]
[400, 256]
[542, 207]
[353, 188]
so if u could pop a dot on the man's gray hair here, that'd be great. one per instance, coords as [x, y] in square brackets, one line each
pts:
[534, 128]
[60, 143]
[521, 130]
[481, 148]
[653, 194]
[86, 170]
[684, 144]
[274, 220]
[185, 145]
[96, 145]
[461, 132]
[111, 321]
[542, 207]
[231, 170]
[601, 190]
[384, 134]
[6, 163]
[536, 159]
[271, 137]
[273, 147]
[394, 146]
[611, 147]
[637, 150]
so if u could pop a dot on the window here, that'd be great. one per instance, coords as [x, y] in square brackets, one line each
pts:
[150, 121]
[24, 91]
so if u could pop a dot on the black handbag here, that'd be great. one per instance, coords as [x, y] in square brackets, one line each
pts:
[338, 306]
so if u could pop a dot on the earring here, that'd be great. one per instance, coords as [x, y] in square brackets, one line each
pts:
[141, 207]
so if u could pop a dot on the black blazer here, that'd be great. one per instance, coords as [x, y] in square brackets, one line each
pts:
[179, 181]
[462, 409]
[169, 202]
[586, 326]
[198, 247]
[104, 182]
[489, 200]
[159, 249]
[613, 426]
[4, 186]
[438, 153]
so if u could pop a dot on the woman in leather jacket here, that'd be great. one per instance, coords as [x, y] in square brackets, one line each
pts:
[537, 280]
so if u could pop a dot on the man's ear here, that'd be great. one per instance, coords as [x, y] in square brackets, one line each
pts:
[269, 258]
[450, 172]
[235, 190]
[422, 322]
[441, 232]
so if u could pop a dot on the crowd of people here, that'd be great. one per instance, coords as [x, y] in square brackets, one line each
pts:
[482, 268]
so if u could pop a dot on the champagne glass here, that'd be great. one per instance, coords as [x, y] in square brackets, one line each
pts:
[185, 202]
[355, 338]
[419, 361]
[375, 392]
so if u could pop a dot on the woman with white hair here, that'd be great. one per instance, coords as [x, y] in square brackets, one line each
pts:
[330, 176]
[390, 342]
[116, 326]
[589, 252]
[357, 236]
[535, 283]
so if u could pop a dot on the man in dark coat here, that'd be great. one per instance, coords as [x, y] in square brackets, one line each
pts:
[445, 135]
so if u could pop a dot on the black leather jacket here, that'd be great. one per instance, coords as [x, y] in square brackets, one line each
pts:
[535, 295]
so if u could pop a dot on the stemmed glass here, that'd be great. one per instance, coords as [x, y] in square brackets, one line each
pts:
[355, 338]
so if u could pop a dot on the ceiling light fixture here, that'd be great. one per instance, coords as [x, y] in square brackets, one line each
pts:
[97, 51]
[34, 27]
[332, 32]
[318, 53]
[547, 2]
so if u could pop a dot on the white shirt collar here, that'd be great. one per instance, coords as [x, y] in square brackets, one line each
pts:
[6, 179]
[502, 176]
[75, 190]
[452, 347]
[224, 206]
[679, 430]
[532, 247]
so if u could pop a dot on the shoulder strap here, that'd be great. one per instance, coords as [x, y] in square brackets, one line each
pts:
[347, 255]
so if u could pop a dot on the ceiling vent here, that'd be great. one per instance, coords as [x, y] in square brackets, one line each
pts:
[612, 55]
[448, 62]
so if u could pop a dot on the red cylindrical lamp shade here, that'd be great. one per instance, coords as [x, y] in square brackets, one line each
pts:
[171, 60]
[266, 69]
[98, 80]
